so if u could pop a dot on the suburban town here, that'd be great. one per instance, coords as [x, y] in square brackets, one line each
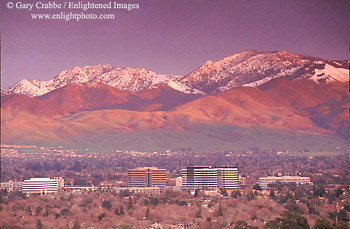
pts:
[182, 189]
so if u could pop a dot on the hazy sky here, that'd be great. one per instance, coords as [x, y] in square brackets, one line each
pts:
[169, 36]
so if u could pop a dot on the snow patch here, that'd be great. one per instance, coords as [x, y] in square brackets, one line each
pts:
[269, 78]
[330, 73]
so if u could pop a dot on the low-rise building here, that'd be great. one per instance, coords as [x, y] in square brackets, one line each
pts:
[42, 185]
[265, 181]
[12, 186]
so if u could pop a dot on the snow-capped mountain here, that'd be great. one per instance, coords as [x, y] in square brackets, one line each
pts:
[254, 68]
[249, 68]
[130, 79]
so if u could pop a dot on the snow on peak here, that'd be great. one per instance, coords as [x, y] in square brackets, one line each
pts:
[254, 68]
[249, 68]
[131, 79]
[331, 73]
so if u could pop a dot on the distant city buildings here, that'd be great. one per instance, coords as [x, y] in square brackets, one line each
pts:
[265, 181]
[12, 186]
[208, 178]
[147, 177]
[42, 185]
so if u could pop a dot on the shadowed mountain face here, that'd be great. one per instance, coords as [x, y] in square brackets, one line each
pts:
[252, 100]
[325, 104]
[22, 103]
[84, 97]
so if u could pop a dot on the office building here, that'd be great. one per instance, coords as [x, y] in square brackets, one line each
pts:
[147, 177]
[208, 178]
[42, 185]
[265, 181]
[12, 186]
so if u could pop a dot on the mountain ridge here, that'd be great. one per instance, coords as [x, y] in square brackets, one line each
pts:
[290, 102]
[248, 68]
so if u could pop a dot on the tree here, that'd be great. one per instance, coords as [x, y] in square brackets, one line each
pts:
[125, 226]
[288, 220]
[298, 193]
[196, 193]
[107, 204]
[342, 215]
[223, 192]
[338, 192]
[240, 224]
[76, 225]
[235, 194]
[147, 213]
[198, 213]
[154, 201]
[77, 166]
[39, 224]
[146, 202]
[38, 210]
[101, 216]
[29, 209]
[292, 206]
[323, 224]
[121, 210]
[64, 211]
[46, 213]
[116, 211]
[130, 205]
[257, 187]
[220, 211]
[250, 196]
[272, 194]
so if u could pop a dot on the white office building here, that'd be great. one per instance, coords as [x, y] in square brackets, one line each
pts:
[208, 178]
[42, 185]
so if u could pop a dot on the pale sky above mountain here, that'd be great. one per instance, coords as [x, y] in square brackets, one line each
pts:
[170, 36]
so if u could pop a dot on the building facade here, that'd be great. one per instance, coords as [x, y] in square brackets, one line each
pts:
[265, 181]
[12, 186]
[42, 185]
[208, 178]
[147, 177]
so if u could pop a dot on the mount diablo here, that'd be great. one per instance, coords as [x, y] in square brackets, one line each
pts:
[264, 100]
[249, 68]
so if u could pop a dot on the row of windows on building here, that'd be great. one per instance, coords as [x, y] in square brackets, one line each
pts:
[264, 182]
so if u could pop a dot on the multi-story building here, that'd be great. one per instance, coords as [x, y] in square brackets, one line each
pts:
[265, 181]
[42, 185]
[208, 178]
[147, 177]
[12, 186]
